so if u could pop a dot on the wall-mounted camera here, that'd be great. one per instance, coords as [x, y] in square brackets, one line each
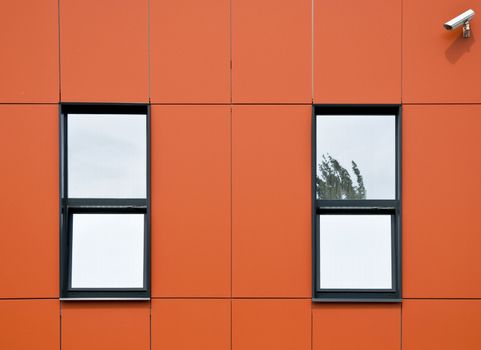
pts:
[463, 19]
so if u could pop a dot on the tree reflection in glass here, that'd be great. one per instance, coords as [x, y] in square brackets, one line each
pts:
[334, 181]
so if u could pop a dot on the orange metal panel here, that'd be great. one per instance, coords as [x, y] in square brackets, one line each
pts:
[271, 51]
[29, 60]
[441, 324]
[190, 51]
[186, 324]
[357, 51]
[259, 324]
[271, 232]
[439, 65]
[105, 325]
[29, 324]
[29, 206]
[441, 228]
[191, 201]
[104, 50]
[356, 326]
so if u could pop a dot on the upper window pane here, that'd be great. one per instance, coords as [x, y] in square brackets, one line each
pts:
[108, 251]
[356, 157]
[355, 251]
[107, 156]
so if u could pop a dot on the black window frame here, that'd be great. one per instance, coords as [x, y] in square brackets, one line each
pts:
[391, 207]
[71, 206]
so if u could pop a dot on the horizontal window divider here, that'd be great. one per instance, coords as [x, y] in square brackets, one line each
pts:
[105, 203]
[368, 204]
[356, 211]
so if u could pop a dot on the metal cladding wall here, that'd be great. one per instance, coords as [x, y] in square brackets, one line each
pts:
[231, 83]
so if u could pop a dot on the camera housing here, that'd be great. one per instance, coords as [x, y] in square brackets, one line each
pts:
[463, 19]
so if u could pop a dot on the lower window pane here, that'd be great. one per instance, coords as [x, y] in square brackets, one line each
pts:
[107, 251]
[355, 252]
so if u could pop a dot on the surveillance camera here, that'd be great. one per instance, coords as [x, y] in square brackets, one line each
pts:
[463, 19]
[459, 20]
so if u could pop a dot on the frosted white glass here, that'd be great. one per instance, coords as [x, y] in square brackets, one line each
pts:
[107, 156]
[369, 141]
[355, 252]
[108, 251]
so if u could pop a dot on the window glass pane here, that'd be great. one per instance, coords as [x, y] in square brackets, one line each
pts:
[108, 251]
[107, 156]
[355, 252]
[356, 157]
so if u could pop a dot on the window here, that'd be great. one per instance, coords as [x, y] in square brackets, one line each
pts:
[105, 201]
[356, 195]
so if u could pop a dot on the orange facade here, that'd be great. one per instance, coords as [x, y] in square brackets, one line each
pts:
[231, 85]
